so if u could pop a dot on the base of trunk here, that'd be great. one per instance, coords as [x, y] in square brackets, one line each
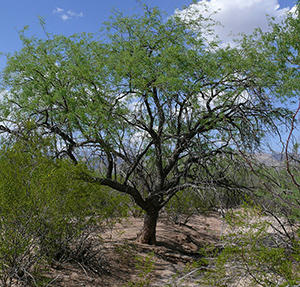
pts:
[148, 234]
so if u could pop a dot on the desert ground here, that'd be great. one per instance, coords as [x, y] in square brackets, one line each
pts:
[126, 262]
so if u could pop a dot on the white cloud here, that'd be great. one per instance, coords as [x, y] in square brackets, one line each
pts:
[58, 10]
[68, 14]
[74, 14]
[65, 17]
[237, 16]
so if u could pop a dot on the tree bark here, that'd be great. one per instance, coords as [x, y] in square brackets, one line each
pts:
[148, 234]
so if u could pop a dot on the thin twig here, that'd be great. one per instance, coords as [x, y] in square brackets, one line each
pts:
[287, 145]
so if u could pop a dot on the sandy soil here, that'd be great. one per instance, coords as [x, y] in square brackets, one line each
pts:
[128, 262]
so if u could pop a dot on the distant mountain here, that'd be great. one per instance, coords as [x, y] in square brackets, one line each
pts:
[275, 159]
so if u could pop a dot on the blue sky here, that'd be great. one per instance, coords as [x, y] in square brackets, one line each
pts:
[87, 16]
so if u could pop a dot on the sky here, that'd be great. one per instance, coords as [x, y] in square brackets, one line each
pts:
[74, 16]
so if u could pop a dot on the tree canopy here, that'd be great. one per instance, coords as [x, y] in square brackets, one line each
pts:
[149, 103]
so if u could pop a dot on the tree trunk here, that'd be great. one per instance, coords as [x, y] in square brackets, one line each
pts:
[148, 234]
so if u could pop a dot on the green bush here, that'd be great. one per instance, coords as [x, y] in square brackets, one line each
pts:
[47, 214]
[254, 254]
[187, 203]
[259, 251]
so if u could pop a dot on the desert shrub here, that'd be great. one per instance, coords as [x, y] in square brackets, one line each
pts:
[220, 182]
[114, 205]
[254, 251]
[47, 214]
[18, 249]
[255, 254]
[261, 244]
[144, 266]
[216, 191]
[187, 203]
[277, 194]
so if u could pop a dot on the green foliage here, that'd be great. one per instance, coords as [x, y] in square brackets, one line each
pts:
[276, 192]
[144, 268]
[254, 254]
[187, 203]
[47, 214]
[221, 182]
[276, 54]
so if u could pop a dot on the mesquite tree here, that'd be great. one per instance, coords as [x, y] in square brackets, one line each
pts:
[146, 105]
